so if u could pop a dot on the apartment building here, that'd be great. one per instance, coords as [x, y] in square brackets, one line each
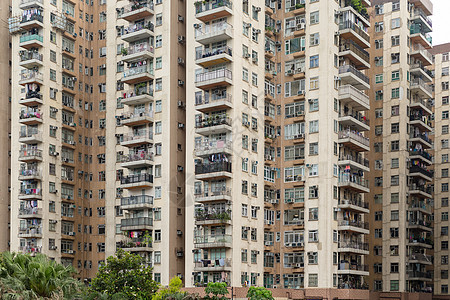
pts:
[98, 148]
[441, 66]
[275, 147]
[401, 239]
[5, 124]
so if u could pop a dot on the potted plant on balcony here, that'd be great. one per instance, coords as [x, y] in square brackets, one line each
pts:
[298, 5]
[124, 51]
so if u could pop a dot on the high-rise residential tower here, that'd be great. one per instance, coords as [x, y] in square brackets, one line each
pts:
[401, 236]
[275, 192]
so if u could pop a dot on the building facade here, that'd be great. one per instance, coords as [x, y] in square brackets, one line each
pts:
[98, 148]
[401, 133]
[268, 164]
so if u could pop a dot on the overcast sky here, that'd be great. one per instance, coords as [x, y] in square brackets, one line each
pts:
[441, 21]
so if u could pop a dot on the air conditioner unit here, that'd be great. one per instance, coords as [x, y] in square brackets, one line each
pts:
[54, 153]
[246, 55]
[246, 124]
[289, 72]
[308, 165]
[300, 26]
[257, 9]
[180, 104]
[274, 201]
[180, 168]
[272, 5]
[255, 59]
[54, 192]
[248, 25]
[181, 39]
[180, 18]
[72, 124]
[53, 221]
[267, 243]
[180, 61]
[180, 253]
[72, 206]
[180, 82]
[274, 287]
[180, 125]
[299, 114]
[196, 26]
[65, 160]
[298, 265]
[70, 251]
[300, 70]
[300, 93]
[72, 143]
[289, 201]
[53, 247]
[258, 31]
[72, 233]
[179, 232]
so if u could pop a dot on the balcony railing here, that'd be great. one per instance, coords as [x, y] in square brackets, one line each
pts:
[353, 245]
[354, 135]
[415, 30]
[29, 55]
[31, 75]
[354, 71]
[137, 92]
[358, 159]
[213, 145]
[136, 157]
[420, 66]
[418, 274]
[137, 70]
[30, 133]
[211, 263]
[421, 49]
[424, 119]
[202, 6]
[135, 200]
[421, 205]
[22, 2]
[420, 257]
[31, 249]
[422, 101]
[134, 243]
[354, 202]
[417, 169]
[212, 30]
[359, 224]
[350, 178]
[351, 25]
[355, 115]
[35, 16]
[212, 168]
[212, 239]
[136, 178]
[29, 230]
[201, 100]
[352, 46]
[210, 53]
[30, 153]
[138, 27]
[353, 267]
[30, 211]
[418, 82]
[213, 121]
[420, 136]
[29, 172]
[142, 221]
[211, 75]
[213, 192]
[138, 48]
[136, 6]
[205, 215]
[350, 90]
[130, 116]
[142, 134]
[424, 223]
[422, 153]
[419, 13]
[30, 37]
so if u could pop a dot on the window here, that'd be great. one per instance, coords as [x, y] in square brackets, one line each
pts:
[313, 236]
[314, 83]
[314, 214]
[395, 110]
[314, 61]
[395, 127]
[314, 17]
[394, 163]
[395, 75]
[394, 285]
[395, 39]
[314, 39]
[245, 74]
[395, 145]
[394, 215]
[395, 93]
[158, 41]
[314, 126]
[379, 44]
[379, 27]
[395, 23]
[313, 280]
[379, 78]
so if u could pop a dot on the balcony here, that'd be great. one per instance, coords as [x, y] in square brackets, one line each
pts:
[421, 276]
[142, 223]
[350, 30]
[137, 96]
[425, 5]
[141, 159]
[356, 247]
[212, 101]
[30, 213]
[355, 53]
[354, 140]
[422, 155]
[138, 74]
[137, 138]
[214, 33]
[346, 268]
[421, 138]
[352, 76]
[136, 32]
[422, 207]
[215, 170]
[419, 71]
[419, 103]
[207, 148]
[207, 58]
[30, 193]
[423, 122]
[213, 241]
[207, 11]
[419, 36]
[137, 11]
[29, 59]
[420, 190]
[357, 162]
[354, 205]
[32, 20]
[215, 194]
[353, 97]
[138, 52]
[419, 258]
[354, 182]
[218, 265]
[27, 4]
[419, 52]
[29, 41]
[354, 226]
[205, 217]
[31, 250]
[137, 202]
[420, 242]
[213, 125]
[212, 79]
[32, 99]
[417, 171]
[135, 245]
[30, 117]
[136, 181]
[421, 225]
[29, 232]
[30, 174]
[29, 76]
[30, 155]
[355, 121]
[419, 87]
[30, 136]
[136, 118]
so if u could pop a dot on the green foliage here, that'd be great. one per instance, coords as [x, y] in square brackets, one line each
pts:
[216, 291]
[259, 293]
[357, 5]
[127, 274]
[25, 277]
